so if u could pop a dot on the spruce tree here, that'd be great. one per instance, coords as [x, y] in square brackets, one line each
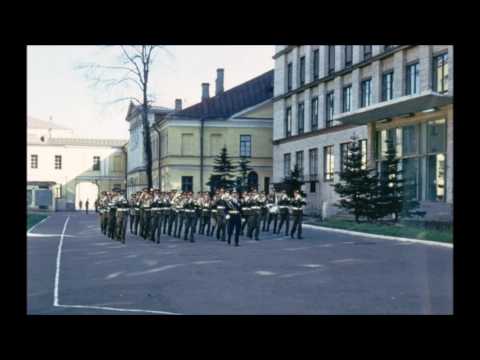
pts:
[293, 182]
[391, 190]
[243, 170]
[222, 172]
[357, 185]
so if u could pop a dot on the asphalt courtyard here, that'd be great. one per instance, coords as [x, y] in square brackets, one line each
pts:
[73, 269]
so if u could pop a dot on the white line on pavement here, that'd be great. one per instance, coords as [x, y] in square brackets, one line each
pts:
[117, 309]
[376, 236]
[34, 226]
[57, 272]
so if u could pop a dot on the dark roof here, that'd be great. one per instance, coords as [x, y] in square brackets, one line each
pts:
[238, 98]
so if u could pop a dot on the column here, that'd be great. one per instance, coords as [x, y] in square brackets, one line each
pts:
[425, 55]
[294, 114]
[322, 54]
[280, 78]
[356, 54]
[371, 138]
[399, 74]
[339, 57]
[450, 70]
[355, 89]
[307, 106]
[321, 105]
[308, 64]
[279, 119]
[376, 82]
[337, 105]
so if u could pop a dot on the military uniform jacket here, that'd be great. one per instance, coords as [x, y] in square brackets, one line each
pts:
[283, 204]
[221, 206]
[245, 207]
[255, 205]
[233, 207]
[298, 204]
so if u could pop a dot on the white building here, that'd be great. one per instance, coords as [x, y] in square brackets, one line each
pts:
[324, 94]
[63, 169]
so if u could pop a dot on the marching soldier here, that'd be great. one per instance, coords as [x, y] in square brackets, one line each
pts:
[155, 217]
[137, 212]
[181, 215]
[297, 204]
[103, 212]
[272, 212]
[146, 205]
[189, 217]
[173, 215]
[263, 211]
[198, 211]
[213, 212]
[121, 216]
[132, 204]
[283, 204]
[234, 219]
[206, 214]
[245, 209]
[255, 206]
[221, 214]
[112, 213]
[166, 212]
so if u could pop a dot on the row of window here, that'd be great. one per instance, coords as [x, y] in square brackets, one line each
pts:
[328, 161]
[347, 62]
[58, 162]
[412, 87]
[216, 144]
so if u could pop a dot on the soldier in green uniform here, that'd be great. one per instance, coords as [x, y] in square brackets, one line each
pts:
[198, 211]
[137, 213]
[166, 212]
[181, 215]
[155, 217]
[263, 211]
[272, 212]
[245, 212]
[173, 215]
[121, 218]
[112, 214]
[213, 212]
[206, 214]
[221, 216]
[131, 204]
[255, 214]
[234, 220]
[189, 215]
[147, 207]
[283, 208]
[297, 205]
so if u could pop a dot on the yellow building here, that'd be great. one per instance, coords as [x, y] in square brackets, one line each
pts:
[186, 141]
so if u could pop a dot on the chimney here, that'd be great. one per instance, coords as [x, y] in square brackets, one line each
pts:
[178, 104]
[205, 91]
[219, 82]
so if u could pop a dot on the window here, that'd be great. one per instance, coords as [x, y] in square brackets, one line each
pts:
[34, 161]
[58, 191]
[329, 104]
[366, 93]
[387, 47]
[289, 76]
[367, 52]
[363, 152]
[187, 183]
[328, 163]
[117, 186]
[440, 73]
[387, 86]
[58, 162]
[96, 163]
[410, 173]
[344, 153]
[299, 162]
[288, 122]
[314, 114]
[347, 98]
[246, 145]
[187, 144]
[286, 164]
[313, 168]
[412, 80]
[436, 177]
[409, 140]
[301, 118]
[316, 64]
[302, 70]
[331, 59]
[436, 133]
[348, 55]
[252, 180]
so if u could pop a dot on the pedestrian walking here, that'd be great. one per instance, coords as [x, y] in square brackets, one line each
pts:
[86, 206]
[80, 205]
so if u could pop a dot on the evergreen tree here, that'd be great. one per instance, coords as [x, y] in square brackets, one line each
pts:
[391, 189]
[357, 186]
[293, 182]
[222, 172]
[243, 170]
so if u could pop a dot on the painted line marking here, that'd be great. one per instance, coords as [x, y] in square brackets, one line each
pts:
[376, 236]
[264, 273]
[57, 271]
[300, 273]
[29, 231]
[46, 235]
[117, 309]
[312, 265]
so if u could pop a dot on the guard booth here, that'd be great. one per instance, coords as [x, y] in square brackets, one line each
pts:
[40, 196]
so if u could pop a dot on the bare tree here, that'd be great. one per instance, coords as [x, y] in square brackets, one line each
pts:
[132, 69]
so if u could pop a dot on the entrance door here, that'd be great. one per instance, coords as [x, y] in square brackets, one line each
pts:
[85, 191]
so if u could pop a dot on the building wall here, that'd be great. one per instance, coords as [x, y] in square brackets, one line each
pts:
[361, 69]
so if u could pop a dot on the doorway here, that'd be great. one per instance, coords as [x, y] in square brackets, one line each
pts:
[85, 191]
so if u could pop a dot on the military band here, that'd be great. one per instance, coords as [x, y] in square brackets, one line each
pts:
[225, 215]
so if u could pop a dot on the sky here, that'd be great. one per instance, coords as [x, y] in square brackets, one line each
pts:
[57, 89]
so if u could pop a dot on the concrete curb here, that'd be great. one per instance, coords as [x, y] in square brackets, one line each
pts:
[376, 236]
